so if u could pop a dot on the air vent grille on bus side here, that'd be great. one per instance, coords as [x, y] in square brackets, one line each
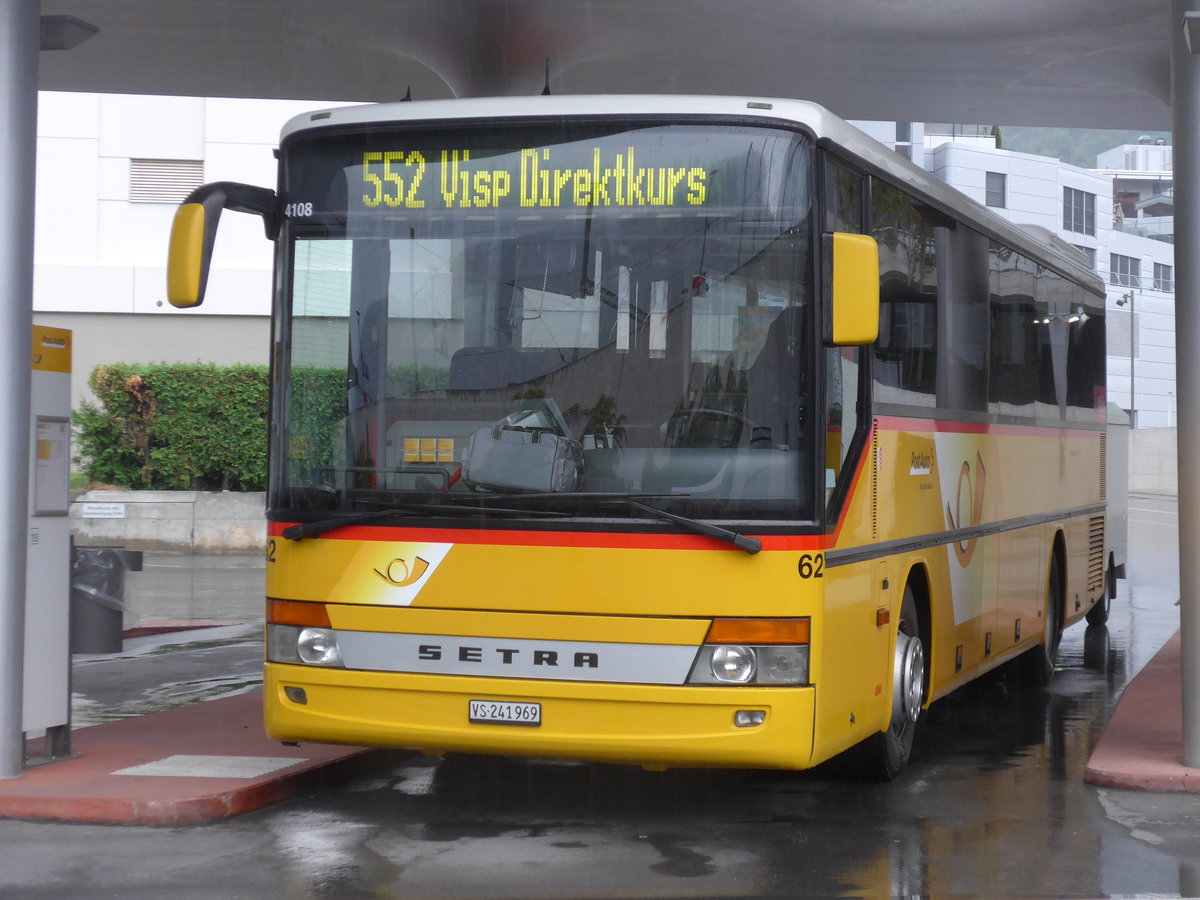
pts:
[1103, 467]
[1095, 553]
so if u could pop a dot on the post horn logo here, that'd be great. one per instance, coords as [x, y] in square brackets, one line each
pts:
[973, 490]
[397, 573]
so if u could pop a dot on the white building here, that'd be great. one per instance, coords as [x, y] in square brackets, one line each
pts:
[112, 168]
[110, 171]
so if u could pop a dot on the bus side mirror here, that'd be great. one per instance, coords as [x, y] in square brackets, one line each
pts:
[194, 231]
[852, 277]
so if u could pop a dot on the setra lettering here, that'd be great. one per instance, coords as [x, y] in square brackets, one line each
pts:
[507, 656]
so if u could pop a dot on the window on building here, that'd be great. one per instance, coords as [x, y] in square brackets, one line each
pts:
[996, 190]
[1079, 211]
[164, 180]
[1164, 278]
[1089, 252]
[1124, 270]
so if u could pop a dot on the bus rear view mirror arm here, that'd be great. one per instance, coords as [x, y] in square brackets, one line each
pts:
[195, 229]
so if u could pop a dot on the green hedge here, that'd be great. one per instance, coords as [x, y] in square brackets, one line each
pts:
[175, 427]
[318, 407]
[204, 427]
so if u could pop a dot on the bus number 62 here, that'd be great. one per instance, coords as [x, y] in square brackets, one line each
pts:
[812, 565]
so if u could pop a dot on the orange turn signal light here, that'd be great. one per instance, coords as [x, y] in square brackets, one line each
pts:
[297, 612]
[758, 631]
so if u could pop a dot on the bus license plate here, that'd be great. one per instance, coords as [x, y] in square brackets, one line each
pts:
[497, 712]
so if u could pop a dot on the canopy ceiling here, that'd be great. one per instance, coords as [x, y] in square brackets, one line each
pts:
[1092, 63]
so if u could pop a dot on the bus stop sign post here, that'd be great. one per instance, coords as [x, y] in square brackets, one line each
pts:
[19, 41]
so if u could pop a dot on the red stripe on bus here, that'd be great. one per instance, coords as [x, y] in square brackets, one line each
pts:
[583, 539]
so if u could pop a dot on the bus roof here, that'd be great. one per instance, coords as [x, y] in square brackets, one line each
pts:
[828, 129]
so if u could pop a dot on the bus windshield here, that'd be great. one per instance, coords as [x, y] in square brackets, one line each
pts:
[567, 310]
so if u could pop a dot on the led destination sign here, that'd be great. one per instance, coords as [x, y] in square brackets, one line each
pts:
[535, 177]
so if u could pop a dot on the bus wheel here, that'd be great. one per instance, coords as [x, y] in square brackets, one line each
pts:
[1038, 663]
[1098, 614]
[886, 753]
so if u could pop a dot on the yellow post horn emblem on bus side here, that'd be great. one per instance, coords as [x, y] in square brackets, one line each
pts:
[965, 550]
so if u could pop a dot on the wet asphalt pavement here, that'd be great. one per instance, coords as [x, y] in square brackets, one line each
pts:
[993, 804]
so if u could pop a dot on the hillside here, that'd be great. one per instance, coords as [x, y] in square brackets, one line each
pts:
[1077, 146]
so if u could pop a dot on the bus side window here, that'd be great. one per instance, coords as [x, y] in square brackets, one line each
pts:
[962, 280]
[905, 364]
[844, 199]
[1013, 376]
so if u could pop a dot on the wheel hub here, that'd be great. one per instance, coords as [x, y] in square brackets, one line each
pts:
[908, 679]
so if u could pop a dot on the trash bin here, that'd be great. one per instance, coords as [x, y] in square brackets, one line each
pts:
[98, 597]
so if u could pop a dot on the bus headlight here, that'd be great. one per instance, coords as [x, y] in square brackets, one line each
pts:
[318, 647]
[309, 646]
[783, 665]
[732, 664]
[772, 652]
[740, 664]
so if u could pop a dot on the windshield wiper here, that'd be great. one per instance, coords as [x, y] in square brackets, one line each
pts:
[744, 542]
[308, 529]
[749, 544]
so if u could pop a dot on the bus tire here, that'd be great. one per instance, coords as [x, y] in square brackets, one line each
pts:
[885, 754]
[1038, 662]
[1098, 614]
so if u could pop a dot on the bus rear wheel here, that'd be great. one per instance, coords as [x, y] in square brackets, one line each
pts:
[885, 754]
[1098, 614]
[1038, 663]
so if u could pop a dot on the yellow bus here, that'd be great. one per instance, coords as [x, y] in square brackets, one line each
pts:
[671, 431]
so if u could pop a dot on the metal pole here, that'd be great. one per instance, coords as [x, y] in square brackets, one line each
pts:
[1185, 102]
[19, 41]
[1132, 354]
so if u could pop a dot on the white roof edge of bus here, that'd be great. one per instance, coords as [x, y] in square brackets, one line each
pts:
[820, 121]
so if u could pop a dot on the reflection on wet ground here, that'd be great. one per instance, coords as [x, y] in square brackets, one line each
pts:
[160, 672]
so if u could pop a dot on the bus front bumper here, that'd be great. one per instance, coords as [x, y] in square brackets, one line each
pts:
[650, 725]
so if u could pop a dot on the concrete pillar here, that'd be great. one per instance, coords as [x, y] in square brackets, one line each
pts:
[1185, 102]
[20, 26]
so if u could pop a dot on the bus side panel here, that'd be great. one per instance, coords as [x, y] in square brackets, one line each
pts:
[987, 590]
[852, 657]
[1022, 570]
